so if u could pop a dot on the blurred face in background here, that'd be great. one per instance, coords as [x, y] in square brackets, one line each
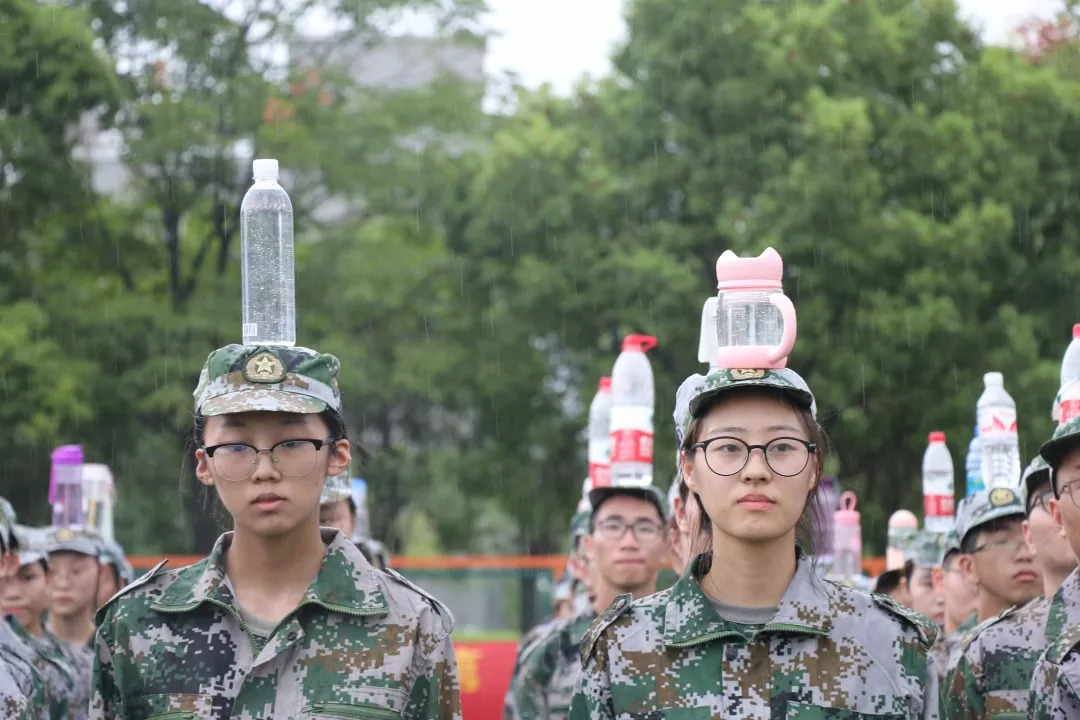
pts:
[26, 596]
[74, 583]
[108, 584]
[1052, 550]
[337, 515]
[628, 543]
[925, 600]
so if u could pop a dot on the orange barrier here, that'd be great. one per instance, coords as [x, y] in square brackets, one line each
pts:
[872, 566]
[484, 670]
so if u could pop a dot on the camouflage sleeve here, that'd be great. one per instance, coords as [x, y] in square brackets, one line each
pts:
[931, 690]
[104, 696]
[530, 698]
[592, 695]
[961, 700]
[1040, 697]
[12, 700]
[435, 694]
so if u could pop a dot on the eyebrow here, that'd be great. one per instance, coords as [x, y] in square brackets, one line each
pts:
[637, 519]
[737, 429]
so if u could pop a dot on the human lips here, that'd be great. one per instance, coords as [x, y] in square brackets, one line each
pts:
[1025, 576]
[756, 501]
[268, 501]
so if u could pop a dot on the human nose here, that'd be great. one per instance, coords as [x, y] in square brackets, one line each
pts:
[265, 467]
[756, 467]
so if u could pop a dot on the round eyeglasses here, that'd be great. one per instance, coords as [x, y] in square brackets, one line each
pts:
[291, 458]
[728, 455]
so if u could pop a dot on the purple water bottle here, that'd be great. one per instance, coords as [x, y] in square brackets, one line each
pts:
[65, 486]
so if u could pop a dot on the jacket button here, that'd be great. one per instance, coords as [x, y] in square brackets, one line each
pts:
[731, 653]
[291, 637]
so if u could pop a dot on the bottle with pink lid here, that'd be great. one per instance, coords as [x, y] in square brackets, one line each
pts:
[755, 321]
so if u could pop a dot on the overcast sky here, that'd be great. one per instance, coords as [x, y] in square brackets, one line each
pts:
[583, 32]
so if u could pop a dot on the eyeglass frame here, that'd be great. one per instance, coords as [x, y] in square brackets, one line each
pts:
[1041, 498]
[811, 448]
[318, 444]
[632, 527]
[1017, 545]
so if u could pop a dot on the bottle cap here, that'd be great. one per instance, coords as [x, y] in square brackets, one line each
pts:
[937, 437]
[847, 514]
[994, 379]
[68, 455]
[1076, 331]
[638, 343]
[265, 169]
[605, 383]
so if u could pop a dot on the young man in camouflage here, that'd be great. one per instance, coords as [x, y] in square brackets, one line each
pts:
[994, 669]
[1054, 681]
[751, 630]
[626, 548]
[22, 690]
[284, 619]
[961, 602]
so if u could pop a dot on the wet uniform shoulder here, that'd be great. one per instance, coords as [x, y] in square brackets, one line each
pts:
[148, 587]
[410, 600]
[624, 612]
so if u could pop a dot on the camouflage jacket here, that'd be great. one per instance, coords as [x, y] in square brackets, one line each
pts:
[81, 661]
[946, 650]
[829, 652]
[529, 641]
[17, 658]
[56, 673]
[1055, 683]
[360, 644]
[993, 675]
[13, 702]
[544, 687]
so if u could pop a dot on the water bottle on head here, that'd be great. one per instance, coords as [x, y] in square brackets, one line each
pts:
[973, 481]
[938, 485]
[847, 529]
[600, 435]
[66, 484]
[755, 321]
[1067, 402]
[267, 261]
[998, 439]
[902, 528]
[632, 403]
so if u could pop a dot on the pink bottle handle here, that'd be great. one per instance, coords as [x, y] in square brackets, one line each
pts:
[787, 311]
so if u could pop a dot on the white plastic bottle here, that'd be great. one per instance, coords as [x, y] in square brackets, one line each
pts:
[267, 261]
[998, 440]
[633, 400]
[708, 340]
[938, 485]
[902, 527]
[600, 435]
[1067, 403]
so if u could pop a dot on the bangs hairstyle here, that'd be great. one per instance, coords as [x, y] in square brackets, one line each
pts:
[810, 519]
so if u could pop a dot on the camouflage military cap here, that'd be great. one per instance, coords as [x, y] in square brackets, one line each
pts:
[31, 544]
[928, 549]
[335, 489]
[238, 378]
[113, 554]
[952, 544]
[1035, 475]
[1065, 438]
[7, 525]
[696, 389]
[579, 524]
[598, 496]
[78, 540]
[986, 506]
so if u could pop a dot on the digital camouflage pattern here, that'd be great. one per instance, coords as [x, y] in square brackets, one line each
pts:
[374, 552]
[57, 675]
[529, 642]
[361, 644]
[830, 651]
[13, 703]
[1055, 683]
[698, 388]
[544, 687]
[946, 650]
[993, 675]
[18, 659]
[238, 378]
[81, 660]
[84, 541]
[986, 506]
[1036, 474]
[927, 549]
[1065, 438]
[112, 554]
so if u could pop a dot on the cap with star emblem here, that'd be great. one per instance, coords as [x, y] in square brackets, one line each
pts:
[690, 400]
[985, 506]
[239, 378]
[84, 541]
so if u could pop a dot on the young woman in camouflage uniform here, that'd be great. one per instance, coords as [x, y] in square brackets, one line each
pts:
[750, 630]
[283, 620]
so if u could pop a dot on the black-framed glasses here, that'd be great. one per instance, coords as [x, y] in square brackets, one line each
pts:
[1070, 489]
[1013, 543]
[293, 457]
[785, 456]
[1040, 499]
[614, 528]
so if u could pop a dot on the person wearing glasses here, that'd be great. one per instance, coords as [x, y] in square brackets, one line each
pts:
[282, 620]
[1055, 681]
[993, 671]
[751, 629]
[626, 547]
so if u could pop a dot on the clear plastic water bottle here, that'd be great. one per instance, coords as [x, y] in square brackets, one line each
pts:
[600, 435]
[1067, 402]
[633, 400]
[938, 482]
[998, 440]
[902, 527]
[847, 551]
[824, 530]
[973, 481]
[66, 482]
[267, 263]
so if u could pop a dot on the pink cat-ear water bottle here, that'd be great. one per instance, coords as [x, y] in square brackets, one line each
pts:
[755, 321]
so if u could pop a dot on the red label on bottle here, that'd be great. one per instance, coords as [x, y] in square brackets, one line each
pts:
[938, 505]
[1070, 408]
[632, 445]
[600, 475]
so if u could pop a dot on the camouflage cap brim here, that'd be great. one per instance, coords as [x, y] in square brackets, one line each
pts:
[1036, 474]
[597, 496]
[986, 506]
[1065, 438]
[696, 391]
[82, 541]
[238, 378]
[262, 399]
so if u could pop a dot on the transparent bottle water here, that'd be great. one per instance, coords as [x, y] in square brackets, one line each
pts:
[973, 481]
[998, 440]
[1067, 402]
[600, 435]
[267, 262]
[938, 481]
[748, 318]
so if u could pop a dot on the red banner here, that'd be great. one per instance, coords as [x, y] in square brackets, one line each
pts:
[484, 670]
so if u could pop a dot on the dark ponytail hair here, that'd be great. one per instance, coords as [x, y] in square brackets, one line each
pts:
[806, 526]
